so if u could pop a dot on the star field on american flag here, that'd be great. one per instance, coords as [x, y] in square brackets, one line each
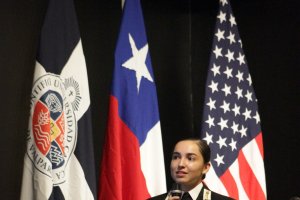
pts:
[230, 119]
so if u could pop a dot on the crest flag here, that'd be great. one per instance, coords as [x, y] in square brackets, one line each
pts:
[59, 161]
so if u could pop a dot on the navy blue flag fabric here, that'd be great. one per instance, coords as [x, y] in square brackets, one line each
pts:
[231, 123]
[59, 162]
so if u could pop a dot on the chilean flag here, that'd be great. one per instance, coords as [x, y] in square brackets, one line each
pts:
[133, 162]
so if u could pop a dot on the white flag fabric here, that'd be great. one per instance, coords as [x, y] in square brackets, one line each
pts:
[59, 161]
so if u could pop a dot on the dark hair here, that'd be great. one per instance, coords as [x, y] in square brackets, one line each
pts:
[203, 149]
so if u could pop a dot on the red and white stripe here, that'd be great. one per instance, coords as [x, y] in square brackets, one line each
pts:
[245, 178]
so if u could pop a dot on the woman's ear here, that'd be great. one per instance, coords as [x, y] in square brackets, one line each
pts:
[206, 168]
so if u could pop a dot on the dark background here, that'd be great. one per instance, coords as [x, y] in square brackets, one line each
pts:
[180, 34]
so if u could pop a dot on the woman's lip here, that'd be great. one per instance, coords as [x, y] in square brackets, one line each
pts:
[180, 173]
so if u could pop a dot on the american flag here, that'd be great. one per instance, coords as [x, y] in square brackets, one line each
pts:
[231, 123]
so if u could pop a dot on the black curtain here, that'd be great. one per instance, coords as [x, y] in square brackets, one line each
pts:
[180, 34]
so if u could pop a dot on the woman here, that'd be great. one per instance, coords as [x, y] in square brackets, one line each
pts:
[190, 163]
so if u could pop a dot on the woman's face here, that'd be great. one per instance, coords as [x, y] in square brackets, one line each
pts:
[187, 165]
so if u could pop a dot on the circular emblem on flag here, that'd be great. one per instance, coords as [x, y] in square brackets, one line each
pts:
[52, 128]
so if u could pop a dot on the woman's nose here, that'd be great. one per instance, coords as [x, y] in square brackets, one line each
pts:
[181, 162]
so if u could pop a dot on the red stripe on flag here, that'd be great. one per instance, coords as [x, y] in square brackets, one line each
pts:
[230, 184]
[259, 141]
[248, 180]
[121, 176]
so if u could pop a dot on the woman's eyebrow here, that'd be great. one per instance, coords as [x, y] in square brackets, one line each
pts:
[192, 154]
[187, 154]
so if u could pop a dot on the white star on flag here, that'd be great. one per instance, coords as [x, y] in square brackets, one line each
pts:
[137, 62]
[224, 2]
[230, 37]
[256, 117]
[241, 59]
[249, 80]
[225, 106]
[243, 131]
[220, 34]
[248, 96]
[232, 20]
[208, 138]
[223, 123]
[232, 144]
[226, 89]
[236, 110]
[229, 56]
[210, 121]
[222, 17]
[239, 76]
[211, 104]
[235, 127]
[216, 70]
[219, 159]
[222, 142]
[213, 86]
[218, 52]
[228, 72]
[239, 92]
[247, 114]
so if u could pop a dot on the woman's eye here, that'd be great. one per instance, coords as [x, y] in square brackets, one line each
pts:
[174, 157]
[191, 158]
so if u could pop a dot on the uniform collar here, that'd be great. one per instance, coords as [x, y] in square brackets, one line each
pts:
[194, 193]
